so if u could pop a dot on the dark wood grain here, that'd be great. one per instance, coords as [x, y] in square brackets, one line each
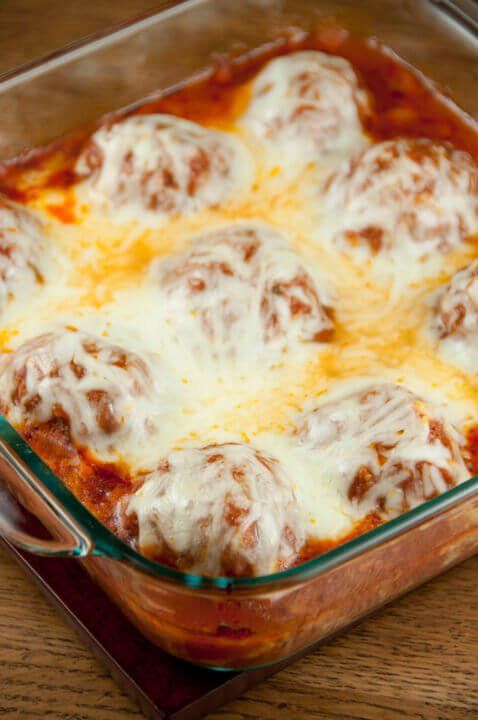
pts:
[416, 660]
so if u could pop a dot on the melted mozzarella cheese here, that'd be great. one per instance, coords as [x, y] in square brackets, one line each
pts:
[399, 206]
[109, 286]
[460, 352]
[147, 167]
[304, 108]
[403, 445]
[454, 319]
[325, 512]
[226, 508]
[241, 292]
[106, 289]
[23, 252]
[113, 400]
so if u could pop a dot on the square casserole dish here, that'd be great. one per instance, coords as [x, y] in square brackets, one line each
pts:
[223, 622]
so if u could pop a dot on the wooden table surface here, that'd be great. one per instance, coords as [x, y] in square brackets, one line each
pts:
[415, 660]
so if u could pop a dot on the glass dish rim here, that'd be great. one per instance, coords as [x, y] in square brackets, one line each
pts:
[93, 40]
[105, 543]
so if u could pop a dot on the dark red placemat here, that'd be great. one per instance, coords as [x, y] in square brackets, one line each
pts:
[162, 685]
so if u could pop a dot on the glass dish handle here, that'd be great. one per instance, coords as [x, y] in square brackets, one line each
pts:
[17, 480]
[464, 11]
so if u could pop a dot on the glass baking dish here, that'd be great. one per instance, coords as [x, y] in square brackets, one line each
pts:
[222, 622]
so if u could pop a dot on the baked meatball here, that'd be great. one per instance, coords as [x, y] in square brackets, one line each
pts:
[219, 510]
[456, 308]
[150, 166]
[405, 198]
[106, 395]
[22, 252]
[454, 318]
[386, 448]
[244, 290]
[306, 105]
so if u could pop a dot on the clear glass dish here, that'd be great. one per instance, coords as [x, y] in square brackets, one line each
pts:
[222, 622]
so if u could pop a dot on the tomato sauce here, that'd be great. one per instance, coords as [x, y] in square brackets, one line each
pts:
[404, 103]
[472, 450]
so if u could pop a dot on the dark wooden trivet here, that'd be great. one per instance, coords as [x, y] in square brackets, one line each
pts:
[163, 686]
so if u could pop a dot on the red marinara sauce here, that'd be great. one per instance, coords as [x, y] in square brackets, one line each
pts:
[472, 450]
[404, 103]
